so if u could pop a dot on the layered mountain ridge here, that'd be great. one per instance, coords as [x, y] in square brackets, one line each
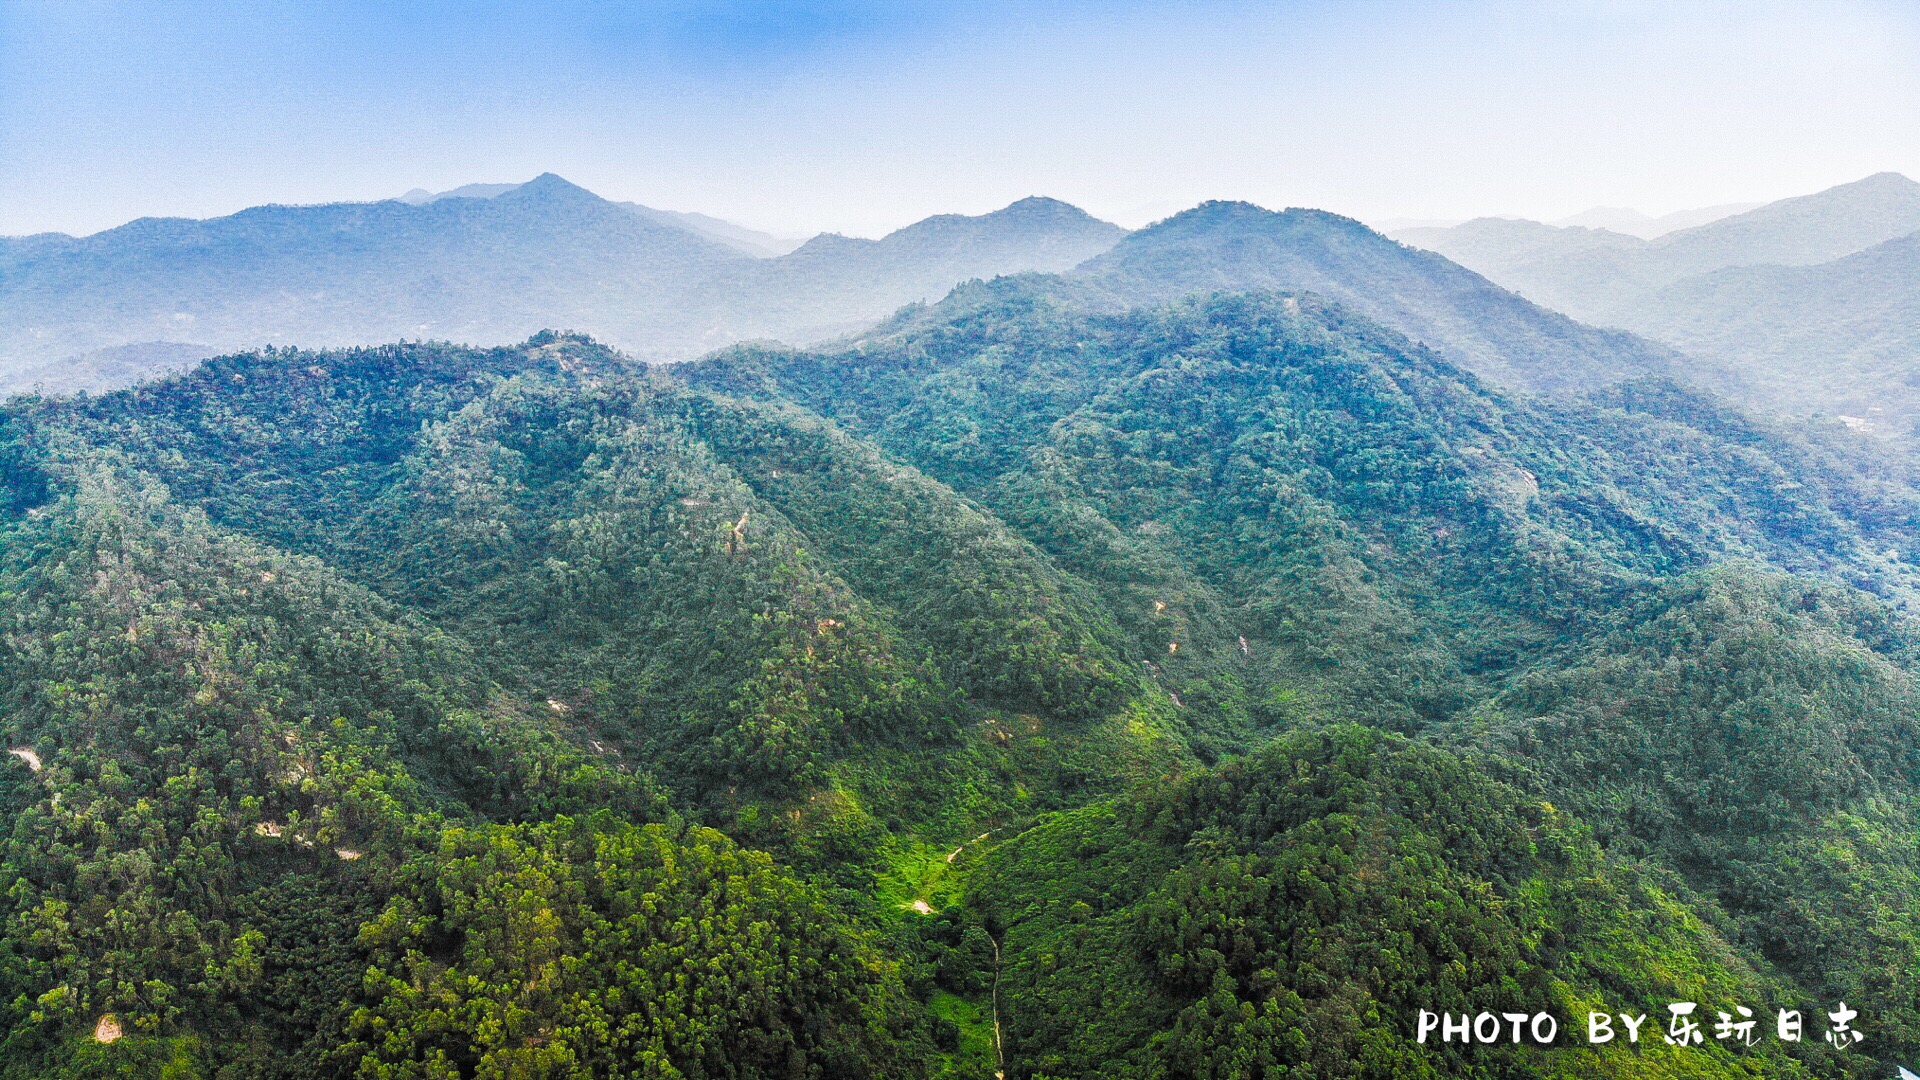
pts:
[493, 266]
[1495, 333]
[1807, 300]
[504, 263]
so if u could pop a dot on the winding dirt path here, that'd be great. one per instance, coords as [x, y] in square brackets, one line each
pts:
[999, 1043]
[955, 853]
[999, 1047]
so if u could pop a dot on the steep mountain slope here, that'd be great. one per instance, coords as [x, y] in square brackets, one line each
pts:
[1015, 398]
[1796, 232]
[1169, 691]
[1479, 325]
[273, 764]
[1591, 274]
[1394, 543]
[1252, 921]
[276, 754]
[740, 238]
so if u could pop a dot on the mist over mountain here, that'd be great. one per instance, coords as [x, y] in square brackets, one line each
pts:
[833, 284]
[470, 269]
[739, 237]
[107, 369]
[1604, 276]
[1841, 337]
[1634, 223]
[1786, 295]
[486, 265]
[501, 260]
[1798, 231]
[1557, 264]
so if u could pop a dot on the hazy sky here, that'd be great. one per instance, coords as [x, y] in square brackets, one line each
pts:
[862, 115]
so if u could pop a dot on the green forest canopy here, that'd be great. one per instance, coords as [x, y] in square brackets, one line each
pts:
[1192, 691]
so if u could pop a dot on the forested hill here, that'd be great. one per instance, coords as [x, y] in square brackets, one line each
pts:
[1495, 333]
[1194, 690]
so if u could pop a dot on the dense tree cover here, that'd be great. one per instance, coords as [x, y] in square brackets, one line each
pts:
[1757, 734]
[237, 754]
[1363, 507]
[1384, 538]
[600, 948]
[1286, 914]
[1190, 691]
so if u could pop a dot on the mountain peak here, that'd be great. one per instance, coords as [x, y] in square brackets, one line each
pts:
[1882, 191]
[550, 187]
[1033, 214]
[1799, 231]
[1225, 215]
[1215, 211]
[1882, 181]
[1040, 207]
[1237, 246]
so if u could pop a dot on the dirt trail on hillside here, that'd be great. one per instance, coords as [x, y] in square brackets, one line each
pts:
[999, 1047]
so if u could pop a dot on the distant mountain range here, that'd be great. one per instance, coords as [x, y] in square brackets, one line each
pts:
[489, 263]
[459, 268]
[1805, 305]
[833, 285]
[1812, 300]
[485, 265]
[1645, 226]
[110, 368]
[739, 237]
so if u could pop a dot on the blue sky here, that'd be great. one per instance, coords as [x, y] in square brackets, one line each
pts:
[861, 116]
